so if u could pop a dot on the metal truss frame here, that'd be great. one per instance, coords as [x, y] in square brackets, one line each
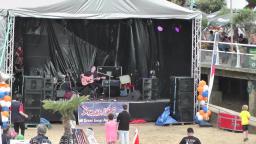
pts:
[9, 48]
[196, 55]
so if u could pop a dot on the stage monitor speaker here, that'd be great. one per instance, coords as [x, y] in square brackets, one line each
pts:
[150, 88]
[34, 115]
[182, 98]
[48, 88]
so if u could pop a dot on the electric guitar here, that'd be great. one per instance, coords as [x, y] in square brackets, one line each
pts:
[85, 80]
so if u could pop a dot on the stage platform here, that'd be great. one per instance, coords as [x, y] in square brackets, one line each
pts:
[147, 110]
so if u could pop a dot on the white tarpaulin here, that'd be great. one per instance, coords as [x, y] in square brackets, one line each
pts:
[95, 9]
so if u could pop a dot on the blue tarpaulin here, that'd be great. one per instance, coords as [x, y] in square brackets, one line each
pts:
[165, 118]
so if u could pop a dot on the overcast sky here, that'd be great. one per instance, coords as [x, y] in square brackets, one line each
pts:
[237, 4]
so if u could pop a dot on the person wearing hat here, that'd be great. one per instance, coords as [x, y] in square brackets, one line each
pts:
[40, 138]
[190, 139]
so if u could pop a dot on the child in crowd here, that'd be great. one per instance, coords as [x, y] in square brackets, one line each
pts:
[111, 130]
[245, 116]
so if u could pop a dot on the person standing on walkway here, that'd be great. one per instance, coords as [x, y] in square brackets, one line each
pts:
[123, 128]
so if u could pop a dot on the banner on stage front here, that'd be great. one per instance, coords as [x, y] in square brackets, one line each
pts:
[97, 112]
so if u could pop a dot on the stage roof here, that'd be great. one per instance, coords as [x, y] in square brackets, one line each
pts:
[96, 9]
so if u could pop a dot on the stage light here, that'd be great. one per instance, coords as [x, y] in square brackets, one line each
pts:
[160, 28]
[177, 29]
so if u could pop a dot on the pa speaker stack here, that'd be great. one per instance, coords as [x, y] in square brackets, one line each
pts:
[150, 88]
[33, 94]
[182, 98]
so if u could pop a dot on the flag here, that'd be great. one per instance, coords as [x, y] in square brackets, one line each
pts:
[213, 65]
[136, 137]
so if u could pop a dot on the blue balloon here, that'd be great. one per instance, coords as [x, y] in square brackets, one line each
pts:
[6, 93]
[205, 109]
[5, 124]
[205, 93]
[5, 109]
[2, 94]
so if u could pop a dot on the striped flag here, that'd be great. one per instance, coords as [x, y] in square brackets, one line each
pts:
[136, 137]
[213, 65]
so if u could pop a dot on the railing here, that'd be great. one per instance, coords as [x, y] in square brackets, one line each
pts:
[238, 57]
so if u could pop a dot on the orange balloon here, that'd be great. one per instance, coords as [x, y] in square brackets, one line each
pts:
[209, 113]
[205, 116]
[200, 97]
[3, 85]
[202, 83]
[7, 98]
[5, 113]
[205, 98]
[200, 89]
[201, 112]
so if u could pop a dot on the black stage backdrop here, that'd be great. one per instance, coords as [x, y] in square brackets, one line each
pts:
[61, 46]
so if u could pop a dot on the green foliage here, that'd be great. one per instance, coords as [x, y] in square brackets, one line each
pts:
[179, 2]
[223, 11]
[210, 6]
[64, 107]
[204, 22]
[245, 19]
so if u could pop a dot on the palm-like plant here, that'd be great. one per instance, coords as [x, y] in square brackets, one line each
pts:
[66, 108]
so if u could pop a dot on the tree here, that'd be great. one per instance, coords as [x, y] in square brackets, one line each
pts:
[210, 6]
[66, 109]
[179, 2]
[245, 19]
[251, 4]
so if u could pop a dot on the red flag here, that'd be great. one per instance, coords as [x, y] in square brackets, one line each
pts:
[136, 137]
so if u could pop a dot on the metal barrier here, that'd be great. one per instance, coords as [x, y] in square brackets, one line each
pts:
[236, 58]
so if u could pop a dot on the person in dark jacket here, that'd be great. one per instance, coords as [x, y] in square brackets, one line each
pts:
[18, 116]
[40, 138]
[123, 128]
[190, 139]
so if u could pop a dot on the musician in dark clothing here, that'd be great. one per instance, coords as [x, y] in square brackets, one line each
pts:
[93, 84]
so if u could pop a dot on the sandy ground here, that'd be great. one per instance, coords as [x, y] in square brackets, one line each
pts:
[151, 134]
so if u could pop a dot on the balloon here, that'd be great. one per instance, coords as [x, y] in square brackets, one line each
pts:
[202, 83]
[206, 116]
[2, 94]
[4, 119]
[200, 89]
[2, 103]
[8, 104]
[4, 108]
[201, 112]
[206, 88]
[200, 118]
[205, 94]
[205, 98]
[5, 125]
[5, 113]
[205, 109]
[20, 137]
[7, 98]
[200, 97]
[197, 114]
[209, 112]
[202, 102]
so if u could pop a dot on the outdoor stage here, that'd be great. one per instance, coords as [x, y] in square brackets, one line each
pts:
[147, 110]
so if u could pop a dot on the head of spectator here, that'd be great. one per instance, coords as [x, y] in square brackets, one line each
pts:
[190, 131]
[125, 107]
[41, 129]
[110, 116]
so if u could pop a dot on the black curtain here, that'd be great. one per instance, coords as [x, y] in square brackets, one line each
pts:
[135, 44]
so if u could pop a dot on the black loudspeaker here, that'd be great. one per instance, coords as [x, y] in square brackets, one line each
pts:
[182, 98]
[33, 87]
[150, 88]
[48, 88]
[36, 53]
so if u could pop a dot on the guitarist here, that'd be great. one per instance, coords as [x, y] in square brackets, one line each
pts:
[91, 81]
